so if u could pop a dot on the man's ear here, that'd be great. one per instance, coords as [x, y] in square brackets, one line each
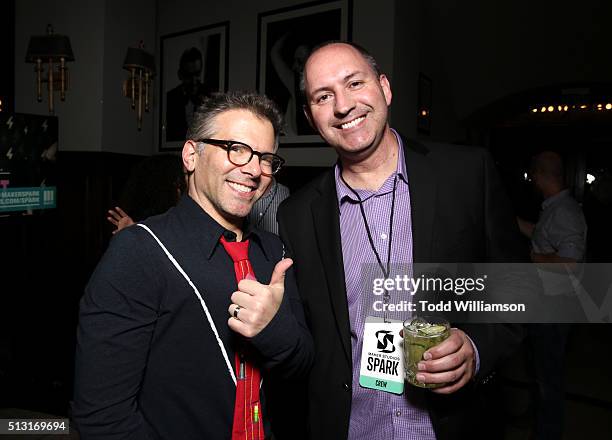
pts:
[306, 110]
[189, 155]
[386, 88]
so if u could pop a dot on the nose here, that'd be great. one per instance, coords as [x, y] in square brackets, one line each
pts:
[343, 103]
[253, 167]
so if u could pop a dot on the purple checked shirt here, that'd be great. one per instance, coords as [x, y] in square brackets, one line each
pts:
[378, 415]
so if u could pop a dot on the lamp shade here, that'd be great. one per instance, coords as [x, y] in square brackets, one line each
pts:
[49, 46]
[139, 58]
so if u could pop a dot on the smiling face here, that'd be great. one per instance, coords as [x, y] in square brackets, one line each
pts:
[346, 101]
[225, 191]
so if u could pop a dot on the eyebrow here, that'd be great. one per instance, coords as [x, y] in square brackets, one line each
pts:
[345, 79]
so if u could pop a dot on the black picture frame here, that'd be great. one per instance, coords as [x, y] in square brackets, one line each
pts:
[284, 38]
[212, 41]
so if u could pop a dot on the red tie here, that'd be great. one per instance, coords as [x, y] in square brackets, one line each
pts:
[248, 424]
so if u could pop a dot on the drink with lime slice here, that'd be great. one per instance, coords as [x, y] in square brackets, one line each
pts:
[421, 334]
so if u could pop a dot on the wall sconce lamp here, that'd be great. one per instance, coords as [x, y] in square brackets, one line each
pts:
[141, 66]
[54, 50]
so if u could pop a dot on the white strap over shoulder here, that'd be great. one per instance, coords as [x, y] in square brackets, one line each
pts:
[197, 293]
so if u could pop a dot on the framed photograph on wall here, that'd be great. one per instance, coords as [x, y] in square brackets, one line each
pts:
[193, 64]
[424, 99]
[285, 37]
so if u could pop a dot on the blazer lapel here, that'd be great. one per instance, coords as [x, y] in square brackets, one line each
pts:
[326, 219]
[325, 212]
[423, 190]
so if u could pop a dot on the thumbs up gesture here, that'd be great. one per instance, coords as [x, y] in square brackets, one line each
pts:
[255, 304]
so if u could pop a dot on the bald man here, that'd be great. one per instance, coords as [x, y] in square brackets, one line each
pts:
[558, 243]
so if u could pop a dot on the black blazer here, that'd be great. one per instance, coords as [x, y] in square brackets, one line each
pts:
[459, 214]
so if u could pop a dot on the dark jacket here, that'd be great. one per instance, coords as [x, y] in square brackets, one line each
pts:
[459, 214]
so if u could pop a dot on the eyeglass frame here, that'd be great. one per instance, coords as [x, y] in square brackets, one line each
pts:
[227, 144]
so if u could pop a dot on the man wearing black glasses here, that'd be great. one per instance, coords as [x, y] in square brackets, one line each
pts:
[169, 345]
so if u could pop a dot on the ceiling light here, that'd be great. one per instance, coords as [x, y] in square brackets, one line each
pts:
[53, 50]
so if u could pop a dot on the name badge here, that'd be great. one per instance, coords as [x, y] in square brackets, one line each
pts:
[382, 356]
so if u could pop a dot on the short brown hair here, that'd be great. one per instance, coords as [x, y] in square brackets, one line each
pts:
[202, 125]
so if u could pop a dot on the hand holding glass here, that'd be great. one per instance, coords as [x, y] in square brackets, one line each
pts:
[421, 334]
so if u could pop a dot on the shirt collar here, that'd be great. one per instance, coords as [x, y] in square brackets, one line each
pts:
[342, 190]
[554, 199]
[207, 232]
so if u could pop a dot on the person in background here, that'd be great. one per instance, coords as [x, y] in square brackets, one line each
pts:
[155, 185]
[559, 236]
[263, 214]
[558, 245]
[188, 311]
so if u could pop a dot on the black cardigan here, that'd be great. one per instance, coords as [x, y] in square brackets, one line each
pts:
[147, 362]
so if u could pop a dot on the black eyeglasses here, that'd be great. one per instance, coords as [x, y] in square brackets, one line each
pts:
[240, 154]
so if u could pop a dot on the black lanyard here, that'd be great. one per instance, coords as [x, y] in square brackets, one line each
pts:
[386, 271]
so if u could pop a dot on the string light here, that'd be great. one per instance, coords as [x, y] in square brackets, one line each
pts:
[550, 108]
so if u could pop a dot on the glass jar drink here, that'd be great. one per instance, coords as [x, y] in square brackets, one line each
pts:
[420, 334]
